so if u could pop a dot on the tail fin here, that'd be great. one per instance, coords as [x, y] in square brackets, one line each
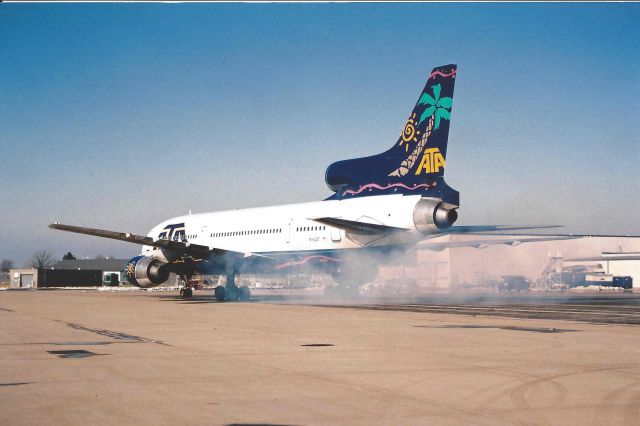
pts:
[416, 162]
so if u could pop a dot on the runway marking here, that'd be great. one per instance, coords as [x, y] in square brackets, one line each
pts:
[501, 327]
[114, 334]
[64, 343]
[500, 309]
[74, 353]
[605, 315]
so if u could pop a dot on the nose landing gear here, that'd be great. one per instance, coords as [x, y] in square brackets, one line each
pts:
[186, 290]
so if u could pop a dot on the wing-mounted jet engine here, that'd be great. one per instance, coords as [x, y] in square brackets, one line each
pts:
[147, 272]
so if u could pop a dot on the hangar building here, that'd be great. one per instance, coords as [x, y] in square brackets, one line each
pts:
[71, 273]
[455, 268]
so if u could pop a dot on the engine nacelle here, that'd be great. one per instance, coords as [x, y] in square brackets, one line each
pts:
[146, 272]
[432, 215]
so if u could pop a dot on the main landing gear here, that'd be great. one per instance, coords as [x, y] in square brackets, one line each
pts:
[231, 292]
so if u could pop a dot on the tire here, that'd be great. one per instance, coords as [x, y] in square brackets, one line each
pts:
[220, 293]
[245, 293]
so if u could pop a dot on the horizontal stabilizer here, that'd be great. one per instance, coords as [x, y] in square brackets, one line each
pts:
[139, 239]
[475, 229]
[358, 228]
[499, 230]
[604, 258]
[437, 245]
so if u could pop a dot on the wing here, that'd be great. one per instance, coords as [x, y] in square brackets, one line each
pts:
[190, 248]
[358, 228]
[441, 245]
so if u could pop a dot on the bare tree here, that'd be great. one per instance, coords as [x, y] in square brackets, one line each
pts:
[41, 259]
[68, 256]
[6, 264]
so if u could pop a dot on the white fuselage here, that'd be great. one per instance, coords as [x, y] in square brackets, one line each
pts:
[288, 228]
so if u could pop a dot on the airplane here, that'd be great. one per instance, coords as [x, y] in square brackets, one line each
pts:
[381, 205]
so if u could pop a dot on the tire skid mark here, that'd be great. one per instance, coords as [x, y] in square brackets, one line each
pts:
[631, 412]
[518, 394]
[612, 399]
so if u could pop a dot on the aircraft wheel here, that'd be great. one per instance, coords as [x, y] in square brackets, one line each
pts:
[220, 293]
[244, 293]
[232, 293]
[186, 292]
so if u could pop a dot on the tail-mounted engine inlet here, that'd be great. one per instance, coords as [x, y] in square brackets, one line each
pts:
[432, 215]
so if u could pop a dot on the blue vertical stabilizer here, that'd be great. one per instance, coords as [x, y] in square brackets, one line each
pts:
[415, 164]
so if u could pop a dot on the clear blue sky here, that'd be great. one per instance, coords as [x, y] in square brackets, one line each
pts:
[121, 115]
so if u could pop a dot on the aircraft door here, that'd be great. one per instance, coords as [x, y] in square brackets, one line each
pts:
[336, 234]
[26, 280]
[287, 231]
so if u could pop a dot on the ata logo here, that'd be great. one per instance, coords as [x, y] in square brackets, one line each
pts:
[432, 161]
[173, 232]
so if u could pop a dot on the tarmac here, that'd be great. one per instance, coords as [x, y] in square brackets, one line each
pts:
[89, 357]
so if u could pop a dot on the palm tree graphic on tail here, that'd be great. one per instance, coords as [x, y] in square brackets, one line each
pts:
[437, 110]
